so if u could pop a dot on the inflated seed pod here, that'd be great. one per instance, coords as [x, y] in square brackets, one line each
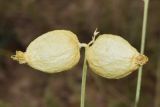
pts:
[111, 56]
[51, 52]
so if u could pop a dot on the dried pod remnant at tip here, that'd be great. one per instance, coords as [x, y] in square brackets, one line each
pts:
[20, 57]
[51, 52]
[141, 59]
[113, 57]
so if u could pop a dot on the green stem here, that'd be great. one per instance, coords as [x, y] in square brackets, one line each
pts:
[83, 85]
[145, 15]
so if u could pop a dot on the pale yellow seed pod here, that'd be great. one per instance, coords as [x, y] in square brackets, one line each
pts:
[111, 56]
[55, 51]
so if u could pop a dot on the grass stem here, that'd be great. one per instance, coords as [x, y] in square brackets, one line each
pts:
[139, 80]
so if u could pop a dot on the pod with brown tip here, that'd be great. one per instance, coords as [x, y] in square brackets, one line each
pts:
[111, 56]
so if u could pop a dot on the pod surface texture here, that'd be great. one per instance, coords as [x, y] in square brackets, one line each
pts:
[52, 52]
[111, 56]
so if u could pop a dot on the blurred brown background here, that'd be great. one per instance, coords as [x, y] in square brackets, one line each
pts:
[21, 21]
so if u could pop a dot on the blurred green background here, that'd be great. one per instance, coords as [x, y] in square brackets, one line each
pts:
[21, 21]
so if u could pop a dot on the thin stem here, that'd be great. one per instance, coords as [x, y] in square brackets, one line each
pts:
[145, 15]
[83, 85]
[94, 37]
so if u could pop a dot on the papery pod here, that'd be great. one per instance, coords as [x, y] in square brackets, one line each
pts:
[51, 52]
[111, 56]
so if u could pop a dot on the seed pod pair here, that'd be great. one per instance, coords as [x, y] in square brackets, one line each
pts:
[109, 56]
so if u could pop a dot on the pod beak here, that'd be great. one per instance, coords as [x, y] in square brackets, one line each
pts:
[20, 57]
[141, 59]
